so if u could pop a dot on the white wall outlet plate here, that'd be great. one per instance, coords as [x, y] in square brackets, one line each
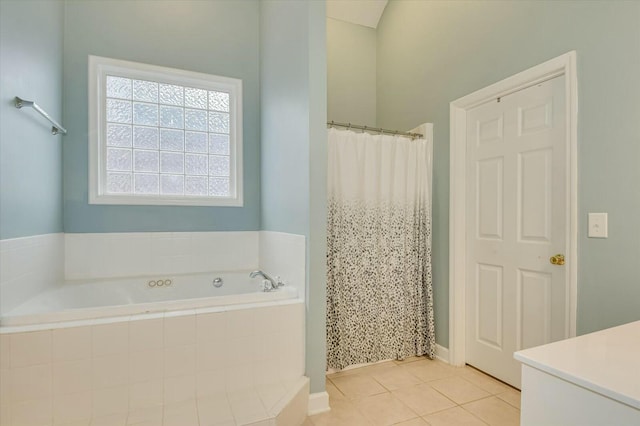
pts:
[598, 225]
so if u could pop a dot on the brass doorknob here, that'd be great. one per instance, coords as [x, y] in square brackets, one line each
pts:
[558, 259]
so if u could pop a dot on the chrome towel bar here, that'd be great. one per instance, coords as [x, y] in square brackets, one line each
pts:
[55, 129]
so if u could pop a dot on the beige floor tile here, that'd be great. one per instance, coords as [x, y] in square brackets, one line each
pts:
[342, 413]
[343, 373]
[384, 409]
[423, 399]
[429, 370]
[484, 381]
[357, 386]
[455, 416]
[413, 422]
[511, 396]
[366, 369]
[459, 390]
[380, 366]
[333, 392]
[409, 360]
[494, 411]
[395, 378]
[359, 398]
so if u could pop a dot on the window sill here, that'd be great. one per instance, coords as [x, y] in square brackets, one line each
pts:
[139, 200]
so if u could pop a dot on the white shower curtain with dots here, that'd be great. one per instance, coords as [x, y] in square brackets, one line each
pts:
[379, 292]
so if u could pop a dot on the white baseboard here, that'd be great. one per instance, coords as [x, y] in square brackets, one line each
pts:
[318, 403]
[442, 353]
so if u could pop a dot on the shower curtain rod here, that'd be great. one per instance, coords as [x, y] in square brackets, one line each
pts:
[374, 129]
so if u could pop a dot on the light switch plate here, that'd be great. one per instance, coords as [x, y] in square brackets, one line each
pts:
[598, 225]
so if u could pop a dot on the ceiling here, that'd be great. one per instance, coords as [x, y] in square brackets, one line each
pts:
[361, 12]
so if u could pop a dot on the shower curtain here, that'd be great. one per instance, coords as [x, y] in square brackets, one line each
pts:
[379, 294]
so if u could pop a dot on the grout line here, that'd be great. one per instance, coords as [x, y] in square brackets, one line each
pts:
[473, 400]
[408, 420]
[197, 410]
[338, 389]
[491, 377]
[456, 406]
[422, 382]
[445, 396]
[498, 396]
[474, 415]
[380, 383]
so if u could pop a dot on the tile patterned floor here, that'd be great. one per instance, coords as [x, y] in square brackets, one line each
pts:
[417, 392]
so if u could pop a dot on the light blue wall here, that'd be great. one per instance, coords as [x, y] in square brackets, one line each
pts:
[351, 73]
[215, 37]
[293, 156]
[30, 157]
[431, 53]
[284, 88]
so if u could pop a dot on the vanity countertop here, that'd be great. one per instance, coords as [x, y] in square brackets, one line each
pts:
[606, 362]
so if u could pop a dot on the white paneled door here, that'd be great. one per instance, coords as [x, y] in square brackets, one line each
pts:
[517, 225]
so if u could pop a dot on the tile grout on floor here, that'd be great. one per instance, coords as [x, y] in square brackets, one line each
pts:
[448, 396]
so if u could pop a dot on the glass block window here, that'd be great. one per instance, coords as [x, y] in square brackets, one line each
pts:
[166, 136]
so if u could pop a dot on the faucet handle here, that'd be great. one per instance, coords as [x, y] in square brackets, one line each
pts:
[279, 282]
[267, 285]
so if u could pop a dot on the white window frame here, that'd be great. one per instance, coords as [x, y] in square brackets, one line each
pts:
[99, 68]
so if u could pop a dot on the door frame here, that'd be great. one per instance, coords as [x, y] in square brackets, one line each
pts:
[561, 65]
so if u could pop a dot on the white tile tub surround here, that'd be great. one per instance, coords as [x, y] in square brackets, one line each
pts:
[110, 255]
[285, 255]
[244, 359]
[247, 359]
[29, 266]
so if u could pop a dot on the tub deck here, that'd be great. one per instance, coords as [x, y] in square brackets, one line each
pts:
[125, 297]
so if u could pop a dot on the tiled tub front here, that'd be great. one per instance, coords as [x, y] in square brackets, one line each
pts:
[223, 365]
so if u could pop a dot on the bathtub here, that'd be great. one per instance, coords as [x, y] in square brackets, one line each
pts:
[113, 350]
[85, 300]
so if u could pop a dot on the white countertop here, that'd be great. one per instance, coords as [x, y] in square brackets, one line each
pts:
[606, 362]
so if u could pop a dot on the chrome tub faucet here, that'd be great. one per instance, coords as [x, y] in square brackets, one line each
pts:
[268, 282]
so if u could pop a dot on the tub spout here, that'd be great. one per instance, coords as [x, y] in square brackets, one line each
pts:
[273, 284]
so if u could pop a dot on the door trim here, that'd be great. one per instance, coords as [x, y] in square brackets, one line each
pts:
[562, 65]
